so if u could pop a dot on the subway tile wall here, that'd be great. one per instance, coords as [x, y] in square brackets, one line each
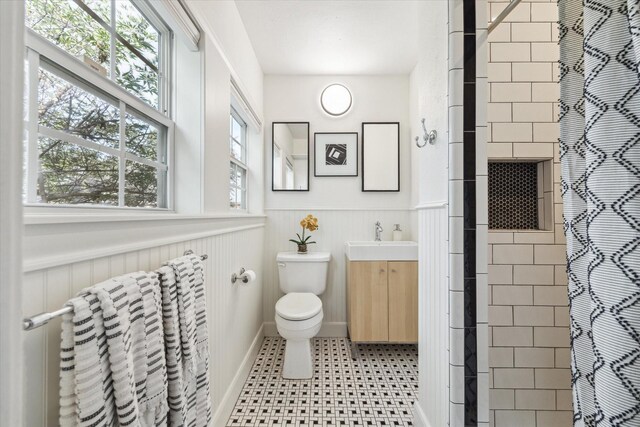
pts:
[528, 315]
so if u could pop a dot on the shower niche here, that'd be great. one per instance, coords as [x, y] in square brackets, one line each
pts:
[521, 194]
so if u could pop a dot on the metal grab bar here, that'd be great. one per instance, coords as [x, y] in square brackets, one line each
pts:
[41, 319]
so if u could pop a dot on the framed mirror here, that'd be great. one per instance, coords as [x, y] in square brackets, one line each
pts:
[381, 156]
[290, 156]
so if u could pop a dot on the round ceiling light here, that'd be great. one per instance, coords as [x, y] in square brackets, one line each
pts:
[336, 99]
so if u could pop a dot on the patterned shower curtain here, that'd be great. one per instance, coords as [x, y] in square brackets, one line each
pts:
[600, 156]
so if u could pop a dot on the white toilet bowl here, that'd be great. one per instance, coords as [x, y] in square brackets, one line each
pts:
[298, 319]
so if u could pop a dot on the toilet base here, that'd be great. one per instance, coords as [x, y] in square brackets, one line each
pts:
[298, 360]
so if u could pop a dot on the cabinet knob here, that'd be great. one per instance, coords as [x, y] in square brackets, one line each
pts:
[382, 270]
[393, 271]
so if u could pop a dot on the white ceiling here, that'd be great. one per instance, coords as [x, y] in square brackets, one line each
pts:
[333, 37]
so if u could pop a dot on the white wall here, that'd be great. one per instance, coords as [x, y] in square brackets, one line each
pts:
[375, 98]
[188, 98]
[428, 99]
[228, 54]
[221, 21]
[11, 72]
[343, 210]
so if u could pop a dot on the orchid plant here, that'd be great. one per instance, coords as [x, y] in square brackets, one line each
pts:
[308, 223]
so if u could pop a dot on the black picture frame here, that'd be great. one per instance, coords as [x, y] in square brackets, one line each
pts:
[315, 156]
[364, 142]
[273, 125]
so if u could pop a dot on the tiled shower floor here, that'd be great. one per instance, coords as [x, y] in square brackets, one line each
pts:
[376, 389]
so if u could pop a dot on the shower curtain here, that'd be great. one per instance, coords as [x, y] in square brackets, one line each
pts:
[600, 185]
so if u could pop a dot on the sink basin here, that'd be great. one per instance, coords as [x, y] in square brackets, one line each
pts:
[380, 251]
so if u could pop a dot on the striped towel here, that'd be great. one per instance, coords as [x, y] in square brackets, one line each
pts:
[86, 391]
[186, 341]
[113, 368]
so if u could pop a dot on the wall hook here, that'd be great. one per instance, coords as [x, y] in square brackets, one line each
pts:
[428, 137]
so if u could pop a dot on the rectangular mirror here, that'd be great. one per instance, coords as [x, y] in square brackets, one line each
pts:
[381, 156]
[290, 156]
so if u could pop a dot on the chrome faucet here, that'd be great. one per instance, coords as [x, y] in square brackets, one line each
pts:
[378, 231]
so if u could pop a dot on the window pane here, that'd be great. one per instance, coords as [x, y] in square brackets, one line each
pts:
[66, 25]
[241, 176]
[136, 76]
[70, 174]
[137, 30]
[232, 198]
[101, 7]
[236, 151]
[240, 199]
[66, 107]
[232, 175]
[141, 138]
[236, 129]
[141, 185]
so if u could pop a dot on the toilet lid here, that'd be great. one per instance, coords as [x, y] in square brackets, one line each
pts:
[298, 306]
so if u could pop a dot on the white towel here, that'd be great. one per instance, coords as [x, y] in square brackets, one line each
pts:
[86, 396]
[113, 368]
[186, 341]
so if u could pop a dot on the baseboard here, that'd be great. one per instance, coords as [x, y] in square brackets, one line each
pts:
[231, 396]
[330, 329]
[419, 418]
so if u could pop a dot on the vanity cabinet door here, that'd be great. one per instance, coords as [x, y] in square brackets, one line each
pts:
[368, 301]
[403, 301]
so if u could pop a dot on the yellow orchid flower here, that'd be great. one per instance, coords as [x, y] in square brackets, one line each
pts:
[307, 223]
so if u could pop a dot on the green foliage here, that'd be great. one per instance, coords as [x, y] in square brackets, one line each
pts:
[69, 173]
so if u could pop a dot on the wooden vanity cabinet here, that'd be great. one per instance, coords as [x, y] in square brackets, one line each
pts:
[382, 301]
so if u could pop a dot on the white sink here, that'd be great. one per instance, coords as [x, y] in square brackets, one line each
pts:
[380, 251]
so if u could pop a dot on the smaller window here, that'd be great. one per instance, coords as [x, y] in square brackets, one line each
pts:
[238, 150]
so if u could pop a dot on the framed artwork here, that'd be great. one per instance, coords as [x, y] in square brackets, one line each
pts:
[336, 153]
[381, 156]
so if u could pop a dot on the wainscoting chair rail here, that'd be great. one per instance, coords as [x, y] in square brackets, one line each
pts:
[41, 319]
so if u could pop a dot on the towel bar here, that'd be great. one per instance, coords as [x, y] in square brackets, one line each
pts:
[40, 319]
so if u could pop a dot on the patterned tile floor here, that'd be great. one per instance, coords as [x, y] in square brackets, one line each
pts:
[376, 389]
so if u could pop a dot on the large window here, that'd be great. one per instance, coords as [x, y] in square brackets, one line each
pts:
[98, 133]
[238, 172]
[113, 37]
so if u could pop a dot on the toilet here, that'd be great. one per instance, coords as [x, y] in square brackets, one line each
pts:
[299, 312]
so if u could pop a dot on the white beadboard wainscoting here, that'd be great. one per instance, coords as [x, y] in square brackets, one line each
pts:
[337, 226]
[234, 311]
[432, 406]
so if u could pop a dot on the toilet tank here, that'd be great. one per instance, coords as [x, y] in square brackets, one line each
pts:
[303, 272]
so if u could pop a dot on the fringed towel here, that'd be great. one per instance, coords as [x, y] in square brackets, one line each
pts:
[186, 341]
[113, 367]
[86, 390]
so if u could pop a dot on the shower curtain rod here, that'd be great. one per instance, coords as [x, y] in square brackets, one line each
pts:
[507, 10]
[41, 319]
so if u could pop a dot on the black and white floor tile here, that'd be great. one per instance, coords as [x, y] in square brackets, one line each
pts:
[378, 388]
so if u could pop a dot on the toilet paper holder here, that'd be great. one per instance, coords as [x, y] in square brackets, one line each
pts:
[240, 276]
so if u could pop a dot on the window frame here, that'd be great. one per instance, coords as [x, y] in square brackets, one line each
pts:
[241, 164]
[39, 47]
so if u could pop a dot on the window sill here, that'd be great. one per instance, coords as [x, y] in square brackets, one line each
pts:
[71, 216]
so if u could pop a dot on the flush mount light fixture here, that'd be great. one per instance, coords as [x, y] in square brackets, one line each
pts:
[336, 99]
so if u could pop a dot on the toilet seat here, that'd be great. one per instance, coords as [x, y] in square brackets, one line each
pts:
[297, 306]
